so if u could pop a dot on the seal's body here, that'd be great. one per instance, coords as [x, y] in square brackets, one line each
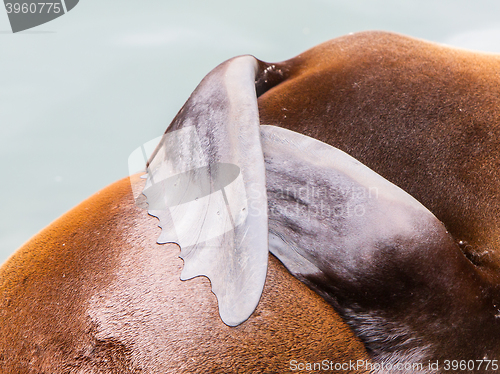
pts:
[93, 292]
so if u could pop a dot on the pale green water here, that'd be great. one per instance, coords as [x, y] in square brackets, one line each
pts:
[79, 94]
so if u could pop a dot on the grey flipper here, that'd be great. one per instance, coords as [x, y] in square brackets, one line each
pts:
[328, 209]
[206, 184]
[384, 261]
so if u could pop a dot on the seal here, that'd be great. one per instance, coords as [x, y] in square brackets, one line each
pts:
[372, 178]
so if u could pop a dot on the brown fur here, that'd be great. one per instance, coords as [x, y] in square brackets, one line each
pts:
[94, 293]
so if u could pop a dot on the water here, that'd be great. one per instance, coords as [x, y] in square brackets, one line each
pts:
[79, 94]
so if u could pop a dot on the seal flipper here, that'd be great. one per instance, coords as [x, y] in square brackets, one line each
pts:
[384, 261]
[206, 184]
